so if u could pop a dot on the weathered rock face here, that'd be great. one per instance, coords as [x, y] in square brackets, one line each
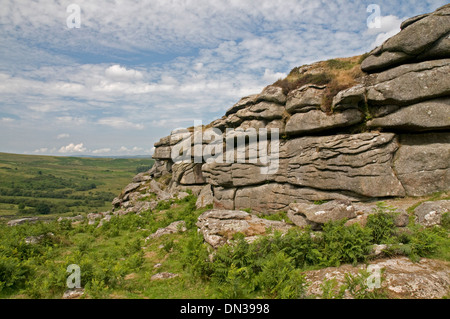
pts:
[359, 164]
[422, 37]
[430, 213]
[317, 121]
[422, 163]
[320, 214]
[385, 137]
[427, 279]
[219, 226]
[305, 99]
[403, 85]
[175, 227]
[425, 116]
[316, 215]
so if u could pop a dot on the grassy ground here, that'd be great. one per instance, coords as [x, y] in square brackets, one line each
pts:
[62, 185]
[117, 261]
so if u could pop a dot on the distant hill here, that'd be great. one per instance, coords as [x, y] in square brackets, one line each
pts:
[55, 185]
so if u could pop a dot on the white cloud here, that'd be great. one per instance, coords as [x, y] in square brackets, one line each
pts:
[118, 72]
[41, 150]
[118, 122]
[62, 135]
[271, 76]
[101, 151]
[72, 148]
[389, 26]
[6, 120]
[162, 64]
[64, 120]
[132, 150]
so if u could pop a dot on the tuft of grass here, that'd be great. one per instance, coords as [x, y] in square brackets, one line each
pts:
[335, 74]
[336, 64]
[291, 83]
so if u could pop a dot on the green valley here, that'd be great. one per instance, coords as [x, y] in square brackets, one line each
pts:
[55, 186]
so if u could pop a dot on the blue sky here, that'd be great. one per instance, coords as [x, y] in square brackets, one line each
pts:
[135, 70]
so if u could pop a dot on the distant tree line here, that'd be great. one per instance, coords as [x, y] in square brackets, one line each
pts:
[143, 168]
[63, 193]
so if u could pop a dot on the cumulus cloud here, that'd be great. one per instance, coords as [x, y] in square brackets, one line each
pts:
[62, 135]
[271, 76]
[72, 120]
[101, 151]
[41, 150]
[72, 148]
[129, 74]
[132, 150]
[118, 72]
[388, 27]
[120, 123]
[6, 120]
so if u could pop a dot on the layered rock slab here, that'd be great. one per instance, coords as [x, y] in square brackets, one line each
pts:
[318, 121]
[275, 197]
[403, 85]
[359, 163]
[422, 163]
[430, 213]
[425, 116]
[426, 279]
[219, 226]
[421, 37]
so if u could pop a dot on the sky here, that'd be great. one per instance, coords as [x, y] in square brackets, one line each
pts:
[111, 77]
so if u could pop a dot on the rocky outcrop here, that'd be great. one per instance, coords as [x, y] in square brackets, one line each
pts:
[219, 226]
[422, 37]
[163, 276]
[318, 121]
[316, 215]
[173, 228]
[383, 135]
[322, 152]
[426, 116]
[430, 213]
[20, 221]
[422, 163]
[404, 279]
[303, 214]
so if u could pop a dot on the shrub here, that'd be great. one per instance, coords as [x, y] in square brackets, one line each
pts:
[278, 277]
[162, 205]
[135, 261]
[43, 209]
[195, 256]
[13, 272]
[236, 284]
[143, 168]
[381, 223]
[445, 220]
[423, 242]
[344, 244]
[302, 247]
